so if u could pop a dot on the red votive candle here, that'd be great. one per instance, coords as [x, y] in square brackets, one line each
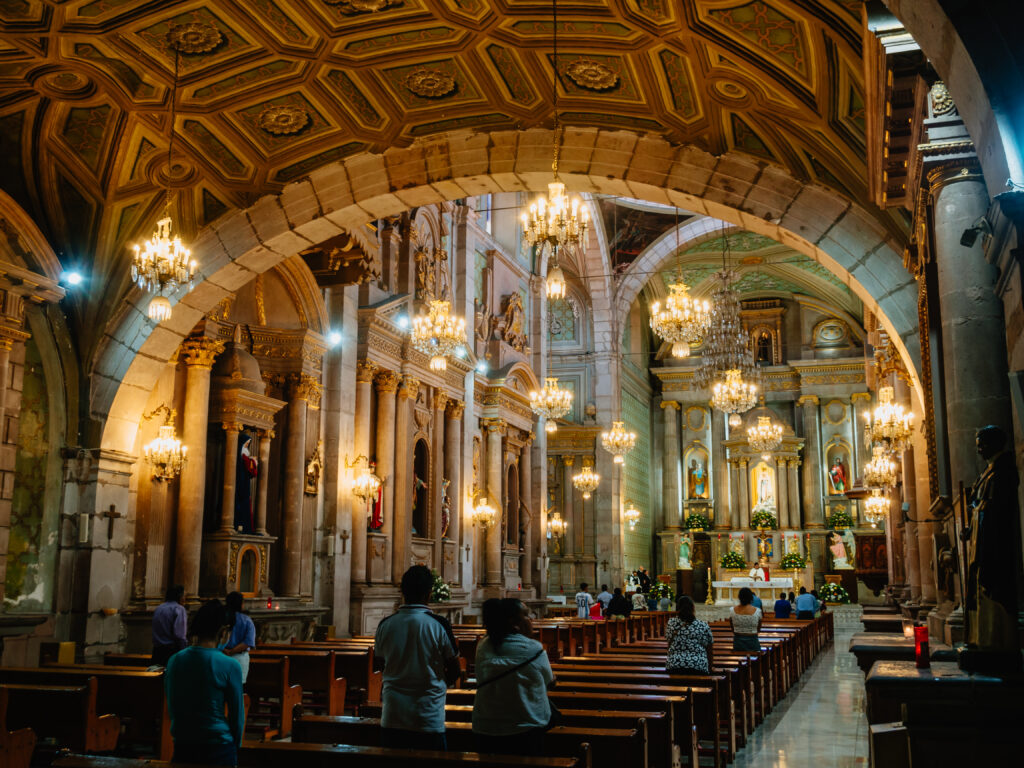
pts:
[921, 654]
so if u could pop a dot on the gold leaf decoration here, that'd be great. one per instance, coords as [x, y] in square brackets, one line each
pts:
[429, 83]
[194, 38]
[283, 120]
[592, 75]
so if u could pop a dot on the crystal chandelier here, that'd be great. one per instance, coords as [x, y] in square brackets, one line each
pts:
[880, 472]
[890, 425]
[618, 441]
[165, 453]
[632, 515]
[366, 483]
[876, 506]
[163, 263]
[484, 514]
[551, 403]
[555, 220]
[683, 321]
[437, 333]
[725, 347]
[765, 437]
[557, 525]
[734, 395]
[586, 480]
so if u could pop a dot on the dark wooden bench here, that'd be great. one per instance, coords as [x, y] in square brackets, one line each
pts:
[15, 745]
[355, 663]
[65, 713]
[273, 695]
[315, 672]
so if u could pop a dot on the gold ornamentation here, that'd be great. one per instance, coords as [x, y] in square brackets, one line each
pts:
[494, 425]
[592, 75]
[454, 409]
[283, 120]
[304, 387]
[440, 398]
[670, 404]
[313, 469]
[234, 548]
[194, 38]
[365, 371]
[942, 102]
[201, 351]
[353, 7]
[261, 307]
[386, 382]
[429, 83]
[409, 387]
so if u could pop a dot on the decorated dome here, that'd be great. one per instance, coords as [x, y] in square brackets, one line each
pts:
[236, 368]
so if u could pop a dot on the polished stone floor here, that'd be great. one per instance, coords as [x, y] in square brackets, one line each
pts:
[821, 722]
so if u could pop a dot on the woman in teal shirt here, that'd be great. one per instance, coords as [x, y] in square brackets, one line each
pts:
[200, 682]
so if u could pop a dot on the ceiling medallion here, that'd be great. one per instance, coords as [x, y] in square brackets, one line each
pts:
[429, 83]
[593, 75]
[193, 38]
[68, 84]
[352, 7]
[283, 120]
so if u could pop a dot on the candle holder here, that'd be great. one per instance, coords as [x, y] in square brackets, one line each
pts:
[921, 652]
[908, 628]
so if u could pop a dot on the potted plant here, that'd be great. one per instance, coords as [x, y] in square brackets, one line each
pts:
[763, 519]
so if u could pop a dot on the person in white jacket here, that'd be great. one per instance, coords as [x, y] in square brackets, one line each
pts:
[511, 710]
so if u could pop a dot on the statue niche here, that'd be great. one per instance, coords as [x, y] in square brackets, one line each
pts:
[511, 328]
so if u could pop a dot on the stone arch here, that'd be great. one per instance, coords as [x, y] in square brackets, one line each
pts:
[345, 195]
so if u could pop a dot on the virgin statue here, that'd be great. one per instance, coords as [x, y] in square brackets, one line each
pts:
[698, 480]
[764, 486]
[684, 553]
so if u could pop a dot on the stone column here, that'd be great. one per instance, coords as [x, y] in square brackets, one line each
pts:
[973, 331]
[437, 479]
[453, 468]
[569, 502]
[495, 535]
[814, 513]
[525, 489]
[724, 521]
[743, 507]
[782, 496]
[227, 509]
[301, 390]
[719, 473]
[670, 495]
[263, 481]
[401, 539]
[861, 453]
[911, 549]
[361, 439]
[794, 495]
[198, 354]
[386, 383]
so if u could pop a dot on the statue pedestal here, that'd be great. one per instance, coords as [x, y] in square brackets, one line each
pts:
[235, 562]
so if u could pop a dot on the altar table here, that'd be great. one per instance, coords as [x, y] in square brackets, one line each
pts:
[727, 592]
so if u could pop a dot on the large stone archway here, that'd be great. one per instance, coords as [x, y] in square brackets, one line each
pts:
[737, 189]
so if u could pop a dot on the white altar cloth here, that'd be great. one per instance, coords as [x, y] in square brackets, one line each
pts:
[727, 592]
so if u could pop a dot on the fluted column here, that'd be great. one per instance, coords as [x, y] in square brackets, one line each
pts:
[723, 505]
[227, 509]
[386, 383]
[782, 494]
[859, 403]
[361, 447]
[814, 514]
[401, 539]
[437, 480]
[569, 501]
[495, 535]
[670, 495]
[743, 507]
[525, 489]
[726, 520]
[198, 354]
[301, 390]
[794, 494]
[453, 466]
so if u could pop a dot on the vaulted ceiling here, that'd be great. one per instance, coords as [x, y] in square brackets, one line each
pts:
[271, 89]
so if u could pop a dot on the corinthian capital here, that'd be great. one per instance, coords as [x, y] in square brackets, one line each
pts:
[201, 351]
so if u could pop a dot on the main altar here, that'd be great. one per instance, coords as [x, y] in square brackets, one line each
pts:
[727, 590]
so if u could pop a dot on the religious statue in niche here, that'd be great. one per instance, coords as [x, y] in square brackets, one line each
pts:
[838, 550]
[444, 285]
[764, 486]
[837, 476]
[513, 323]
[376, 516]
[736, 544]
[418, 485]
[246, 470]
[484, 320]
[685, 547]
[424, 258]
[446, 508]
[313, 469]
[698, 480]
[763, 348]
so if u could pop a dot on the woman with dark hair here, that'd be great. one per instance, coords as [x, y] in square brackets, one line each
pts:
[513, 674]
[746, 623]
[689, 641]
[200, 682]
[618, 606]
[243, 633]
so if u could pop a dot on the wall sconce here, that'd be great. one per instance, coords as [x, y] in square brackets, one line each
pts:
[165, 453]
[484, 514]
[366, 483]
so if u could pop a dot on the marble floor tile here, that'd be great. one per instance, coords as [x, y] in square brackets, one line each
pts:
[821, 721]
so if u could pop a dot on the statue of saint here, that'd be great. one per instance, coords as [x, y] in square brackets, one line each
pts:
[424, 258]
[838, 550]
[684, 553]
[736, 544]
[793, 544]
[446, 508]
[993, 542]
[764, 486]
[698, 480]
[850, 541]
[837, 476]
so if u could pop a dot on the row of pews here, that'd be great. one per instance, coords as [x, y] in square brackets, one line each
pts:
[319, 702]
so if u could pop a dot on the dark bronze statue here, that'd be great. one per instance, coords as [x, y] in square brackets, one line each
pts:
[993, 549]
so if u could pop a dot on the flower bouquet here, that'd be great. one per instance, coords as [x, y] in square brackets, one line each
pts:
[840, 520]
[793, 561]
[697, 522]
[440, 592]
[732, 560]
[833, 593]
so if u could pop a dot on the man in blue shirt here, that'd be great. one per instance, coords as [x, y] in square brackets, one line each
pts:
[805, 604]
[420, 657]
[243, 633]
[782, 607]
[169, 620]
[604, 597]
[200, 682]
[756, 602]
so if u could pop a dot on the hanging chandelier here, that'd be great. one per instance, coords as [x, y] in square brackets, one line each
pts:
[586, 480]
[438, 333]
[366, 483]
[555, 220]
[765, 437]
[734, 395]
[725, 346]
[683, 321]
[618, 441]
[880, 472]
[876, 507]
[557, 525]
[551, 403]
[163, 263]
[890, 425]
[632, 515]
[165, 453]
[484, 514]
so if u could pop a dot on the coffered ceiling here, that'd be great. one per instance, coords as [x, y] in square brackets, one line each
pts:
[271, 89]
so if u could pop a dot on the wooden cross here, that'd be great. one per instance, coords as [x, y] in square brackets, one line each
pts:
[344, 539]
[111, 514]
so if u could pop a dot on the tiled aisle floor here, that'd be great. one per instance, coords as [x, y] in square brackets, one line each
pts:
[820, 723]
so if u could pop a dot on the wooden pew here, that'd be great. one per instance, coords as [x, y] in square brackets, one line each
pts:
[608, 747]
[353, 662]
[273, 695]
[314, 672]
[66, 713]
[135, 695]
[15, 745]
